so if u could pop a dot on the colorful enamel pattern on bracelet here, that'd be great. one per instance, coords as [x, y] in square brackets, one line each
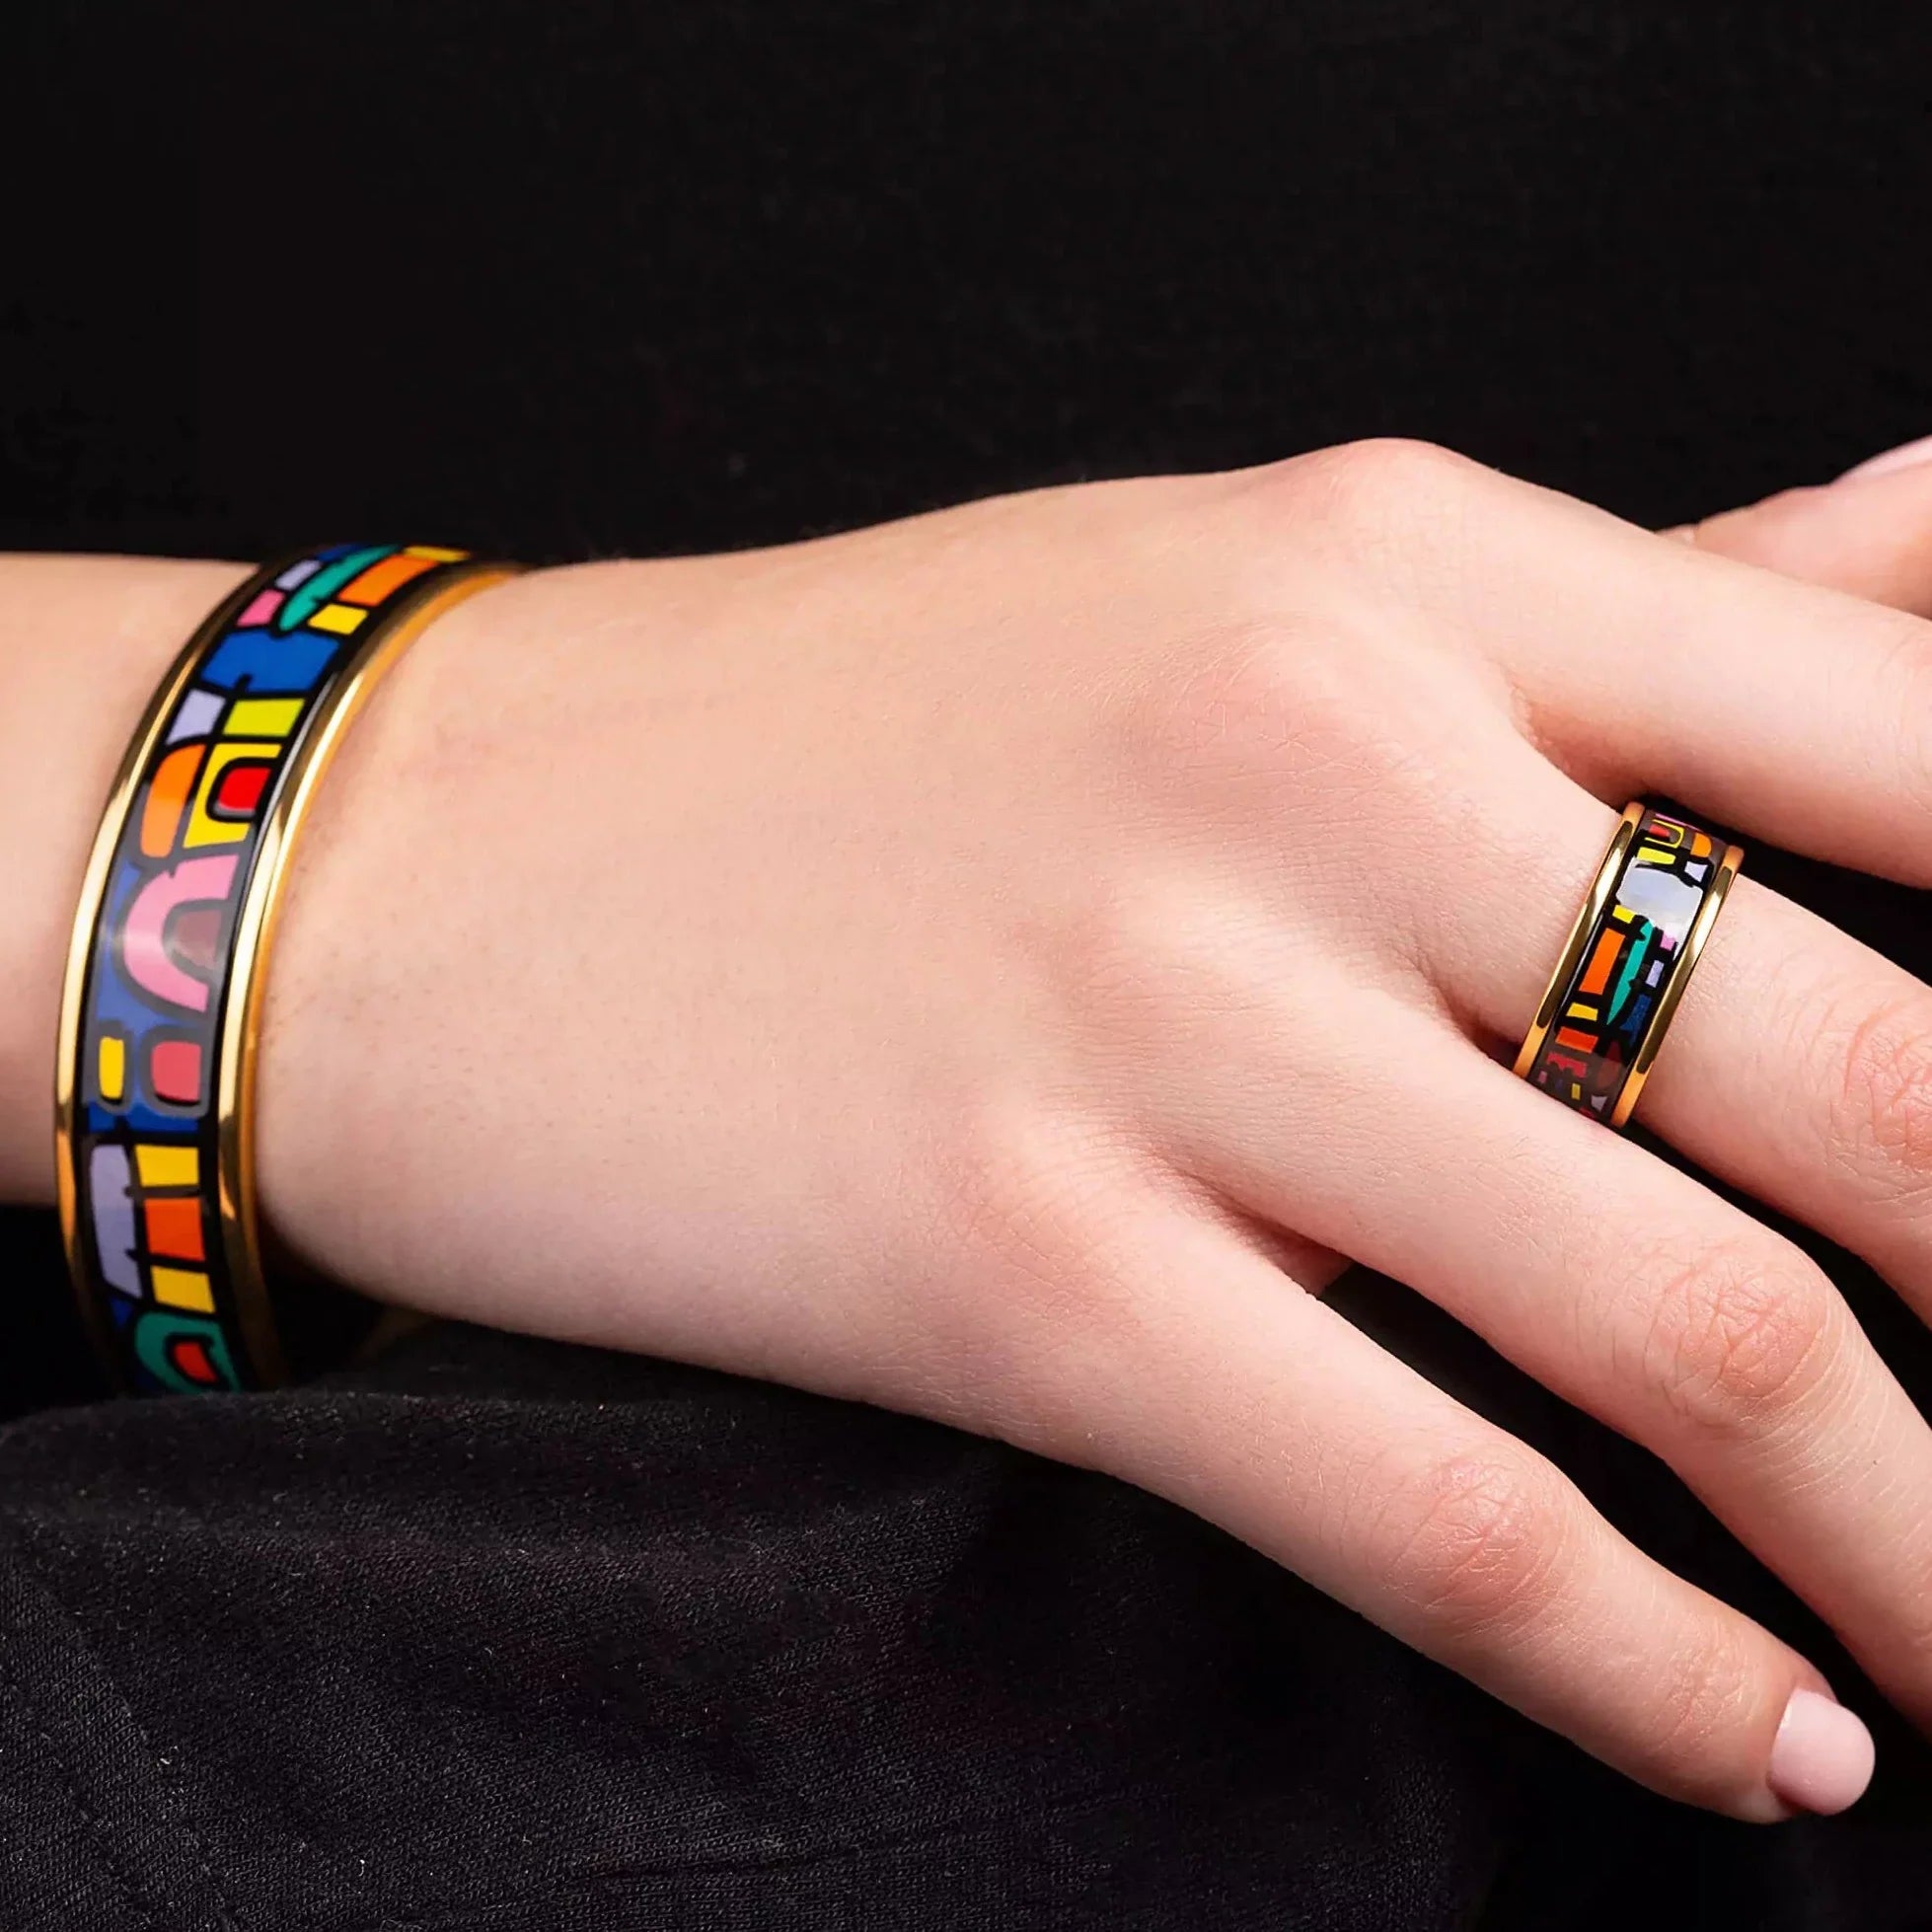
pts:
[1626, 963]
[163, 996]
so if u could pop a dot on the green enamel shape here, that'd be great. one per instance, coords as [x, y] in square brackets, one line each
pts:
[307, 599]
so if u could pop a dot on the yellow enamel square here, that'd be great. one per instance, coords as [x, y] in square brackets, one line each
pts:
[168, 1166]
[183, 1287]
[112, 1072]
[262, 717]
[341, 619]
[437, 556]
[203, 828]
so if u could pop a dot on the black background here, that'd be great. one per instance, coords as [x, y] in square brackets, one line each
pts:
[563, 279]
[567, 278]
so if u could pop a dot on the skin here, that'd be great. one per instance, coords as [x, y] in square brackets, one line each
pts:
[998, 965]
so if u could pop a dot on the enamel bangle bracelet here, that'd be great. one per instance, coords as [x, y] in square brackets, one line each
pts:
[165, 975]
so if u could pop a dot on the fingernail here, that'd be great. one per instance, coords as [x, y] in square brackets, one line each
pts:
[1822, 1759]
[1902, 458]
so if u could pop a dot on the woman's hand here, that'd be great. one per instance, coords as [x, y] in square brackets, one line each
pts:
[996, 965]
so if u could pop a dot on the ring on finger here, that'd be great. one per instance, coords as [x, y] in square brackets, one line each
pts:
[1627, 961]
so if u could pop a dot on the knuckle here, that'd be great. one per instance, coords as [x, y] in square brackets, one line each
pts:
[1139, 963]
[1740, 1336]
[1018, 1185]
[1480, 1541]
[1039, 1216]
[1408, 523]
[1882, 1129]
[1374, 478]
[1270, 712]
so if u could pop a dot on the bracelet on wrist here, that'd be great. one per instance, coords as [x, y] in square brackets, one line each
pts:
[154, 1102]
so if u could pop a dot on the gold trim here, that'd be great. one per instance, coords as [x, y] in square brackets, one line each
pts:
[1673, 990]
[1580, 932]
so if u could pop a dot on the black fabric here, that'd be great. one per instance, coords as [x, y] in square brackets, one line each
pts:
[672, 1650]
[501, 1635]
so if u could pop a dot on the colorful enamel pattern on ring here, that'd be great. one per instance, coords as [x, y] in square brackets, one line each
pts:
[1626, 963]
[163, 991]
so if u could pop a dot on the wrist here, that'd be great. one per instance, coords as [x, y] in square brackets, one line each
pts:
[379, 881]
[457, 1000]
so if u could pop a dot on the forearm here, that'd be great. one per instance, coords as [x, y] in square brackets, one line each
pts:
[84, 640]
